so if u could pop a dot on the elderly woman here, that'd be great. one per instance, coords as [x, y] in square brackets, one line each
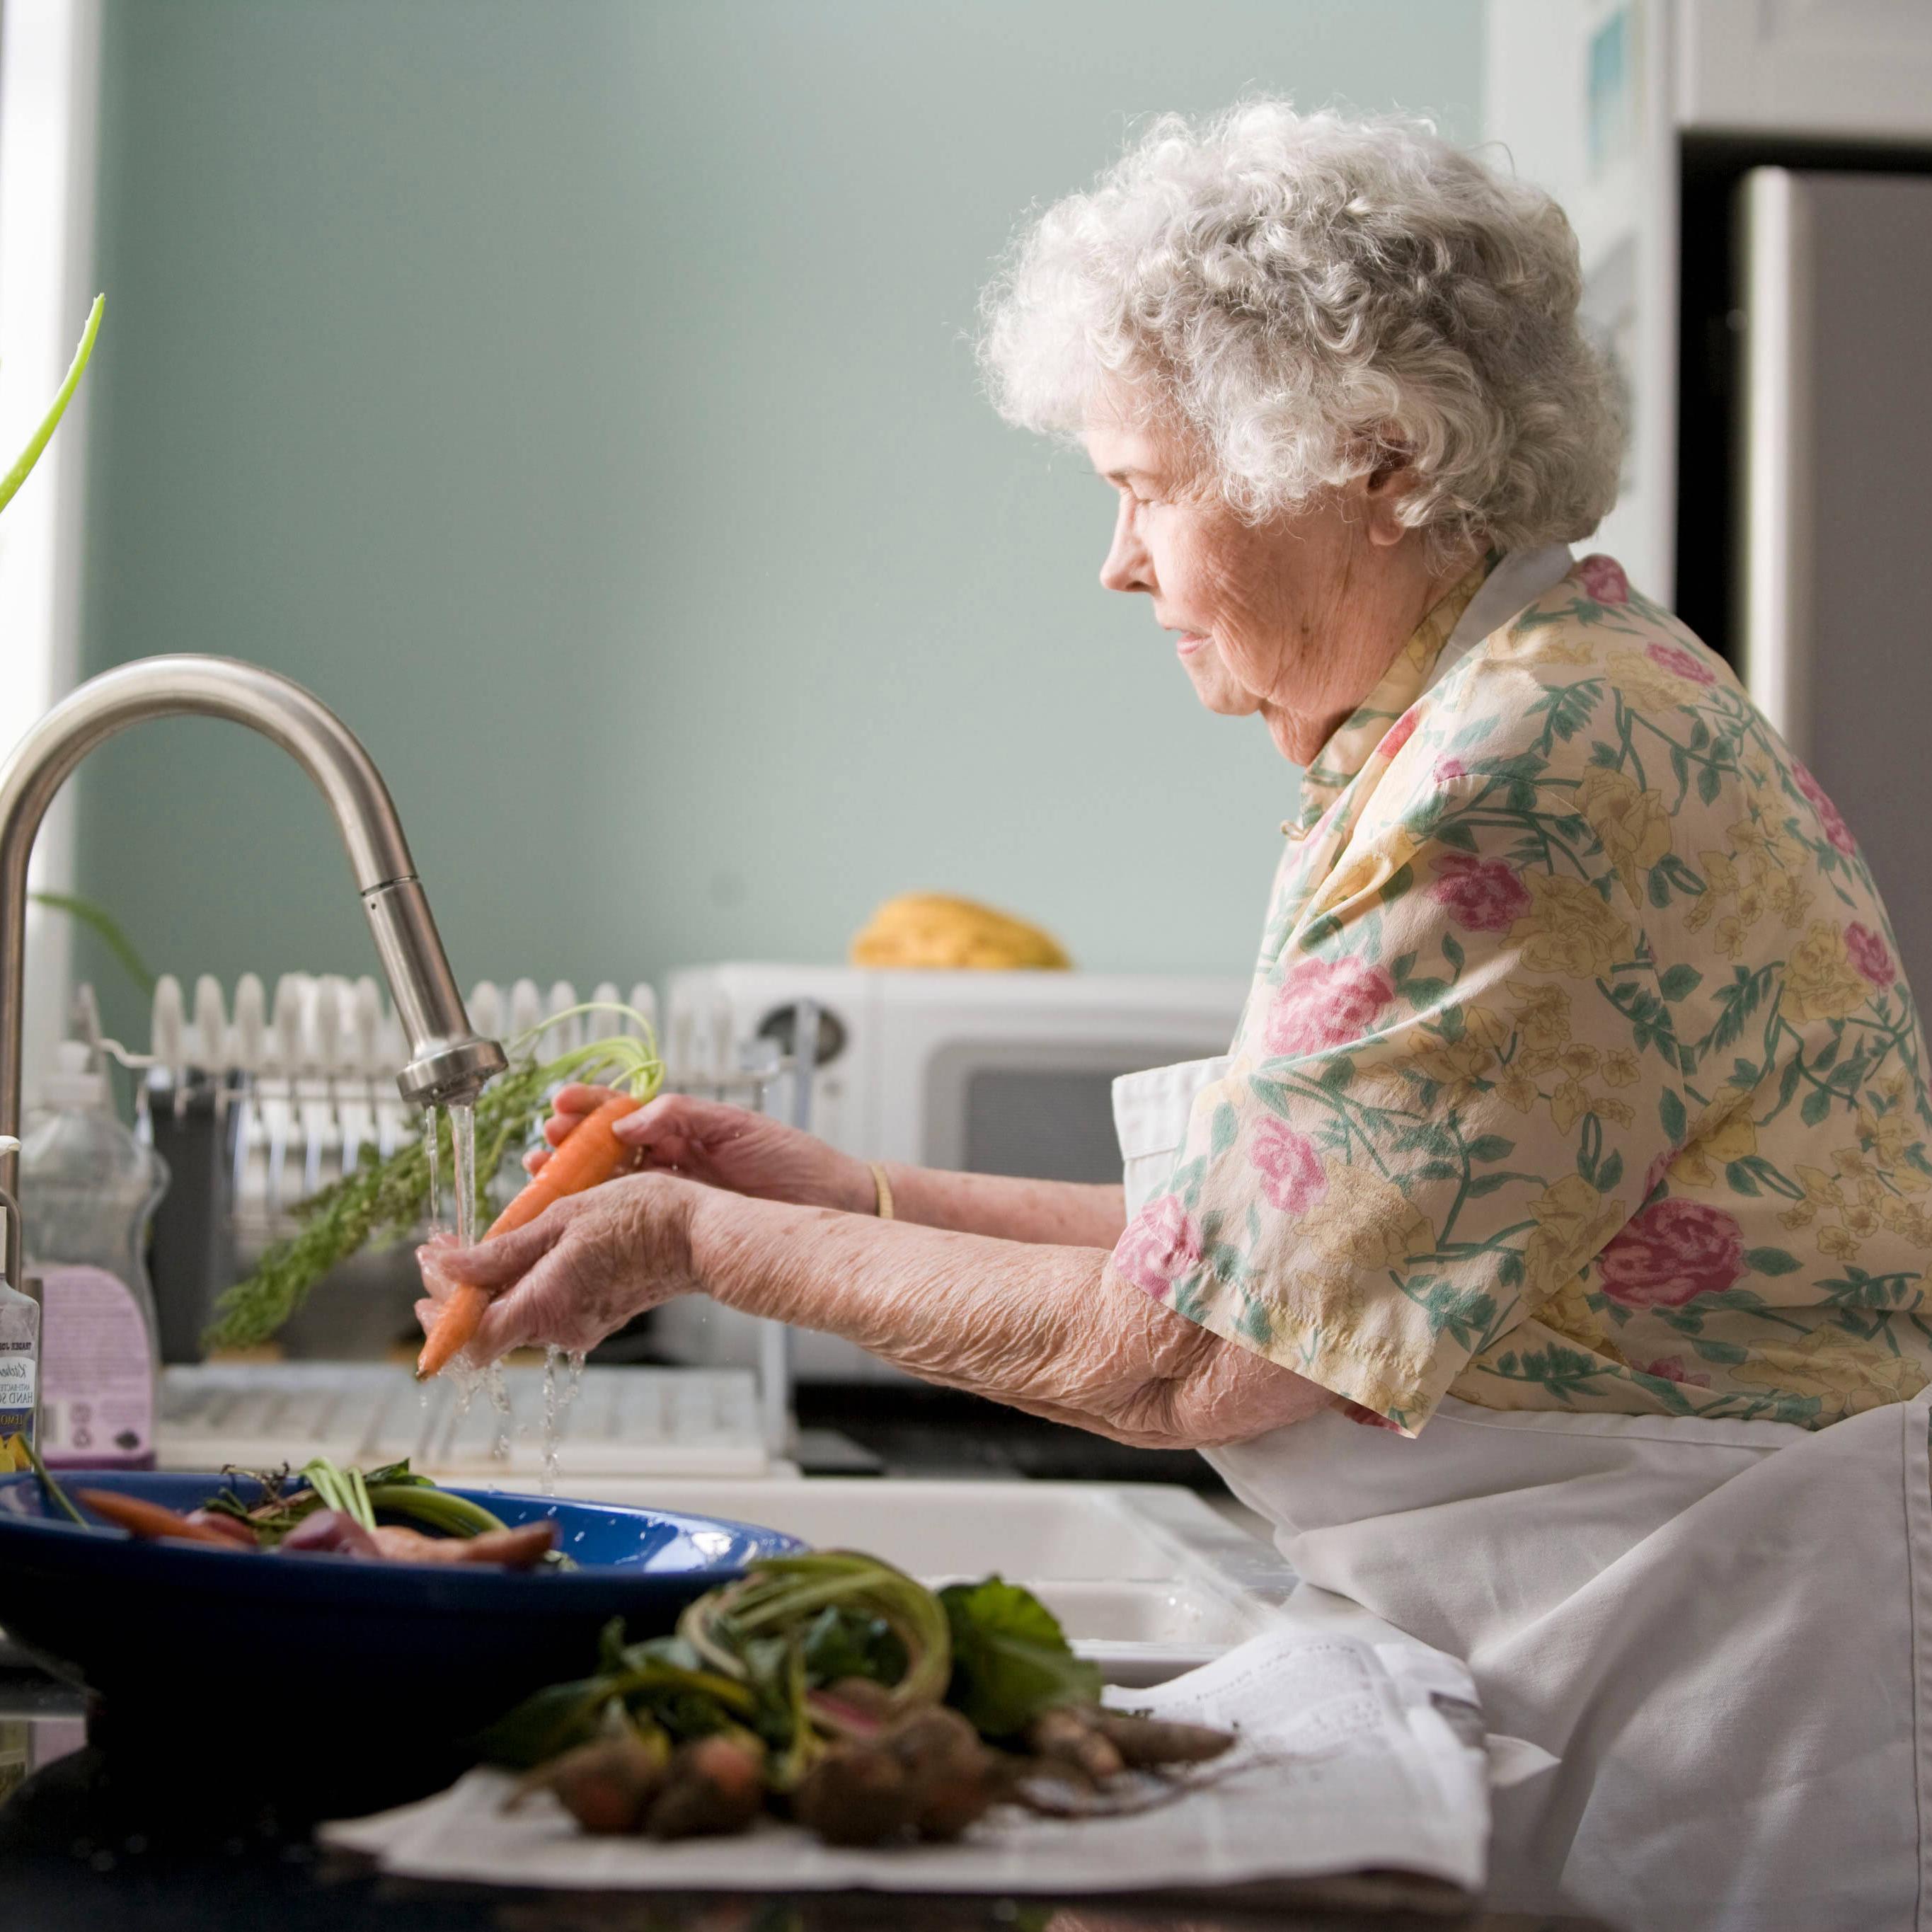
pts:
[1574, 1131]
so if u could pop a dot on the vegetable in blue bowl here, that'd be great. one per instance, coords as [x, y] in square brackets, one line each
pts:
[319, 1681]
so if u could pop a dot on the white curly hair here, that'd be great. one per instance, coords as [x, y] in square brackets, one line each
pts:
[1311, 296]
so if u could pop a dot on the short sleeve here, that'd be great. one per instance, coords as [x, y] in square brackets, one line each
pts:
[1452, 1087]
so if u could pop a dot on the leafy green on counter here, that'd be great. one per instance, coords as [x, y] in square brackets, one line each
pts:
[857, 1703]
[1011, 1660]
[840, 1643]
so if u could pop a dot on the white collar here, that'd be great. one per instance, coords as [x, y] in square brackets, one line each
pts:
[1516, 583]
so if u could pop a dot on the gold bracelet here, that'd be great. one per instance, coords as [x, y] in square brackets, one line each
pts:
[884, 1208]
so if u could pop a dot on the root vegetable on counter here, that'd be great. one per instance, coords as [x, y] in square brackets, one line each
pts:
[1073, 1738]
[608, 1784]
[715, 1786]
[834, 1689]
[1146, 1742]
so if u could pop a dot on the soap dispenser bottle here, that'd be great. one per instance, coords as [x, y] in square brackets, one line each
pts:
[88, 1189]
[20, 1351]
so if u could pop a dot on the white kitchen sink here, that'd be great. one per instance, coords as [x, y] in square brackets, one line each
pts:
[1148, 1579]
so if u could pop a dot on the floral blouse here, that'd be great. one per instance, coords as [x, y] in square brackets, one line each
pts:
[1578, 1072]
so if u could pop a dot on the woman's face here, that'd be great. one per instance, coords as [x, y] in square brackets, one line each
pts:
[1295, 619]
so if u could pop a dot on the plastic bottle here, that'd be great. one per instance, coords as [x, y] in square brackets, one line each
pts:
[19, 1356]
[88, 1187]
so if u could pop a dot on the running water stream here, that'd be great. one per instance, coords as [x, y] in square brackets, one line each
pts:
[463, 1161]
[468, 1380]
[430, 1154]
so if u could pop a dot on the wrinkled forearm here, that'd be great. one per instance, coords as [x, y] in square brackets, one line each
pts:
[1049, 1329]
[1065, 1214]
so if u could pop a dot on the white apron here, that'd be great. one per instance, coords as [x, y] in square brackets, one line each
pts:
[1723, 1629]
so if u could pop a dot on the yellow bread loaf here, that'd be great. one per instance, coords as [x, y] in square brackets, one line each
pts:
[931, 929]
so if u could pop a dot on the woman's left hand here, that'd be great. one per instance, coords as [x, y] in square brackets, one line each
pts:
[583, 1268]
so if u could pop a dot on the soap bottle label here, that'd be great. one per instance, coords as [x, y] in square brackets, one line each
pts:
[17, 1404]
[97, 1373]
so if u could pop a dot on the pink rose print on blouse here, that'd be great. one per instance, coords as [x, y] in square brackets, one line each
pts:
[1602, 578]
[1674, 658]
[1482, 895]
[1869, 955]
[1399, 734]
[1835, 827]
[1326, 1003]
[1671, 1369]
[1160, 1246]
[1291, 1170]
[1671, 1254]
[1448, 770]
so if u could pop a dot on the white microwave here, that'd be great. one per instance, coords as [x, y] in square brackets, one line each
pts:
[994, 1073]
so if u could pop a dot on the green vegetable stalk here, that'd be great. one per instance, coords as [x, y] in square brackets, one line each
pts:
[394, 1489]
[809, 1651]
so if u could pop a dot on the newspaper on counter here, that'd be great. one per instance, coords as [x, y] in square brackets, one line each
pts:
[1353, 1755]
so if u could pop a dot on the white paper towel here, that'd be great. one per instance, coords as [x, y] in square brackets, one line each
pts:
[1354, 1755]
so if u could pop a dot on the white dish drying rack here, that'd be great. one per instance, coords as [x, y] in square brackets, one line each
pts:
[260, 1104]
[611, 1423]
[313, 1071]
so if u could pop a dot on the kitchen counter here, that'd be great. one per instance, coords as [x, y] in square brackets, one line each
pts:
[896, 1429]
[80, 1850]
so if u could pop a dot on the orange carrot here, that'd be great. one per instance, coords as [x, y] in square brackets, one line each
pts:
[591, 1154]
[141, 1518]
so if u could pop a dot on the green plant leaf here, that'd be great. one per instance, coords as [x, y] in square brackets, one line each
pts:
[1011, 1659]
[24, 462]
[99, 921]
[839, 1642]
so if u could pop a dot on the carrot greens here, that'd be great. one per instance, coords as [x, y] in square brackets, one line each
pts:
[382, 1202]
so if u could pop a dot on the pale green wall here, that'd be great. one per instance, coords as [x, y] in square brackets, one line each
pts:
[578, 396]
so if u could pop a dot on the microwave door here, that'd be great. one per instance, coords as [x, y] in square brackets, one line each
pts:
[1042, 1111]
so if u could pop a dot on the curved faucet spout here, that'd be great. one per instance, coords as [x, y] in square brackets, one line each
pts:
[447, 1061]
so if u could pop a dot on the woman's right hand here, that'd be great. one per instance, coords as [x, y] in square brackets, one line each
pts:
[725, 1147]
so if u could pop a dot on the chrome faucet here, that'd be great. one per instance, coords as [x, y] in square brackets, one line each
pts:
[447, 1061]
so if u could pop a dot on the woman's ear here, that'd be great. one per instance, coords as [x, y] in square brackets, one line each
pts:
[1383, 489]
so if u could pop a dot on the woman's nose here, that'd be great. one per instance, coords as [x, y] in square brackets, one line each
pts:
[1125, 567]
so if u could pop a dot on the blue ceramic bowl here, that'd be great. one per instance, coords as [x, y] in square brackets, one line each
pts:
[287, 1665]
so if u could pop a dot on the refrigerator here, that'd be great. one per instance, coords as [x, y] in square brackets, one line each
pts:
[1750, 185]
[1829, 555]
